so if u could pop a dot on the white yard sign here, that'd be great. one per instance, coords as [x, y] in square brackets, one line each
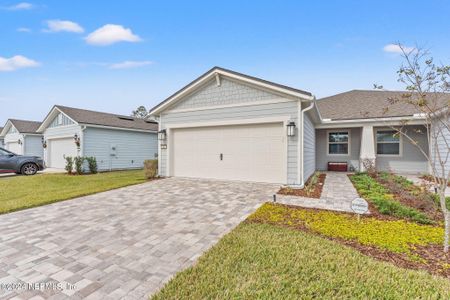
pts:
[360, 206]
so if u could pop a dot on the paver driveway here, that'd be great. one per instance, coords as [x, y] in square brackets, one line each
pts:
[120, 244]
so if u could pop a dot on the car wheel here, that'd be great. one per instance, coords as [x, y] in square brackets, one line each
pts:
[29, 169]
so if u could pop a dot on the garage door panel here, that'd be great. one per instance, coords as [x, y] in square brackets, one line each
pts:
[250, 152]
[14, 147]
[59, 149]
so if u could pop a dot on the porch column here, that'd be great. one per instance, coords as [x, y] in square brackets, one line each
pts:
[367, 151]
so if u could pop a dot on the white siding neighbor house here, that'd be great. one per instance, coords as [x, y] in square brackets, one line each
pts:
[117, 142]
[227, 125]
[21, 137]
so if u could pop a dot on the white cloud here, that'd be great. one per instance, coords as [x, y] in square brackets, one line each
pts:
[63, 25]
[128, 64]
[110, 34]
[393, 48]
[20, 6]
[16, 62]
[23, 29]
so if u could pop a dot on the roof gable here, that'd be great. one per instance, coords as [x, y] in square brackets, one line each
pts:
[22, 126]
[218, 75]
[226, 92]
[94, 118]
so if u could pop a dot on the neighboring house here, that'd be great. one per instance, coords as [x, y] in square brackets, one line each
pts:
[116, 141]
[21, 137]
[227, 125]
[1, 138]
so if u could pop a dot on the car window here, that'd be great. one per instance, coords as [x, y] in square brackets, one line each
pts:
[4, 152]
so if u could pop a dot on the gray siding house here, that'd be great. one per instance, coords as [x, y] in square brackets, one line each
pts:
[116, 141]
[228, 125]
[21, 137]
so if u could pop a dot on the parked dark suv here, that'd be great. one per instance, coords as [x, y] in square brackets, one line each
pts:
[13, 163]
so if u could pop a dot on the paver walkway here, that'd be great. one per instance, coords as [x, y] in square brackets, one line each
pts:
[337, 194]
[419, 182]
[120, 244]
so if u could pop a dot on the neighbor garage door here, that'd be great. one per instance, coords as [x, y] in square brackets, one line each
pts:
[244, 152]
[58, 149]
[14, 147]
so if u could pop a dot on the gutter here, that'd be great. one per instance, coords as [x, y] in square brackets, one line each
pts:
[300, 152]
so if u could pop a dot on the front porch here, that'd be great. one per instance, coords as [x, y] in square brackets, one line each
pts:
[389, 151]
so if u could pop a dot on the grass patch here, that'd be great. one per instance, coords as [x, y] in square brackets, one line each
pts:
[396, 236]
[384, 201]
[20, 192]
[262, 261]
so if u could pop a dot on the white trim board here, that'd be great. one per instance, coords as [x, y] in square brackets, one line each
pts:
[283, 119]
[274, 101]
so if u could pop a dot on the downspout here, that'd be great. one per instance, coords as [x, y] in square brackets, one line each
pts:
[301, 114]
[159, 145]
[24, 136]
[83, 128]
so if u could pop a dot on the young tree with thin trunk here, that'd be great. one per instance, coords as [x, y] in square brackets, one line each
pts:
[140, 112]
[427, 90]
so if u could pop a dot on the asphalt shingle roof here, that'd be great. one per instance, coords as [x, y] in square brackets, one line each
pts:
[84, 116]
[361, 104]
[24, 126]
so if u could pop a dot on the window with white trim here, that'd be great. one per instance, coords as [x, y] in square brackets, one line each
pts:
[338, 143]
[388, 142]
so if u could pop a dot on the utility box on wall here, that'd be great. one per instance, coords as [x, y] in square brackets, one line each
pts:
[113, 150]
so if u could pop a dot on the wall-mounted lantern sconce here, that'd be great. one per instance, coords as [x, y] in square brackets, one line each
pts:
[44, 143]
[291, 128]
[77, 140]
[19, 141]
[162, 135]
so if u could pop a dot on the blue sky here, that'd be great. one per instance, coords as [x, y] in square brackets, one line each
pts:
[115, 55]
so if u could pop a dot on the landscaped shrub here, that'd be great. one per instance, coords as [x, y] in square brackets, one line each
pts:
[78, 161]
[384, 201]
[69, 165]
[92, 164]
[396, 236]
[151, 168]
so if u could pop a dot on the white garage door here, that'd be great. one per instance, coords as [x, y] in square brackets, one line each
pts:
[245, 152]
[59, 149]
[14, 147]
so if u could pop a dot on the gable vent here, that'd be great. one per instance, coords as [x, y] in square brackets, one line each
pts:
[126, 118]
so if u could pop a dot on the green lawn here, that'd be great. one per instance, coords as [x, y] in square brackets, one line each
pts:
[21, 192]
[263, 261]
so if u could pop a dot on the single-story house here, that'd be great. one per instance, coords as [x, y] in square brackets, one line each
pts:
[1, 138]
[116, 141]
[21, 137]
[228, 125]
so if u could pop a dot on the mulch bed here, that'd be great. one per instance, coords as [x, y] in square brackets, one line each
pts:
[315, 193]
[420, 200]
[435, 261]
[430, 179]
